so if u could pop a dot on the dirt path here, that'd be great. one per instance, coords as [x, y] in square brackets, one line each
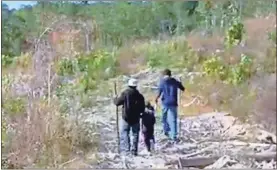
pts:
[214, 139]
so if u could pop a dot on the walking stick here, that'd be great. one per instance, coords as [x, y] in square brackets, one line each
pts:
[117, 124]
[179, 101]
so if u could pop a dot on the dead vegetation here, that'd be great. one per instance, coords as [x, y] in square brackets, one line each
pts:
[264, 109]
[47, 140]
[37, 133]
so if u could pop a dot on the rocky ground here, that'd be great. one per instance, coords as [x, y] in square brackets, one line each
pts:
[211, 140]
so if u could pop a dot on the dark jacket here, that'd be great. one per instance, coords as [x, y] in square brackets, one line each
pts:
[148, 119]
[132, 105]
[168, 87]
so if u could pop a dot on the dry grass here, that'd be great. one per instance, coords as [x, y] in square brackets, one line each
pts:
[238, 100]
[255, 43]
[41, 135]
[215, 95]
[208, 44]
[47, 139]
[220, 96]
[128, 61]
[264, 110]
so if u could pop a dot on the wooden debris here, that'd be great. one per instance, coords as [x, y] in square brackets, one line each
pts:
[267, 137]
[266, 156]
[240, 143]
[180, 166]
[67, 162]
[197, 162]
[198, 152]
[222, 162]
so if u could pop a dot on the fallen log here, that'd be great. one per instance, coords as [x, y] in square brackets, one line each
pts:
[221, 162]
[237, 143]
[265, 156]
[198, 152]
[197, 162]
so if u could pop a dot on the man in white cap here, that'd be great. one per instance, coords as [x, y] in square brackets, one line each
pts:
[133, 105]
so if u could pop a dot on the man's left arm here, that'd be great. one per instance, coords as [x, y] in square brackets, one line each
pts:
[180, 86]
[142, 105]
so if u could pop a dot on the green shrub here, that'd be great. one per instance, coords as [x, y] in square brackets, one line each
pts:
[14, 106]
[86, 82]
[231, 74]
[272, 36]
[241, 71]
[24, 60]
[6, 81]
[96, 63]
[174, 53]
[6, 60]
[215, 67]
[90, 69]
[66, 67]
[4, 131]
[234, 34]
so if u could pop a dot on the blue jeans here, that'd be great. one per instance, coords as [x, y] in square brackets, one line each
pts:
[169, 121]
[125, 144]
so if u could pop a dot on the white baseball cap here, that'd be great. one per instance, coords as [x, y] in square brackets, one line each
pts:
[133, 82]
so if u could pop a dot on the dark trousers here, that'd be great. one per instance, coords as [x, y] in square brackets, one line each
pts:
[148, 134]
[125, 144]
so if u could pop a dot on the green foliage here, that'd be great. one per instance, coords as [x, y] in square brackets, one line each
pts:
[234, 34]
[241, 71]
[14, 106]
[6, 60]
[231, 74]
[65, 67]
[121, 21]
[90, 69]
[215, 67]
[6, 81]
[3, 131]
[14, 30]
[174, 53]
[272, 36]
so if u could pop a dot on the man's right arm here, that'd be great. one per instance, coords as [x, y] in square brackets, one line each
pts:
[160, 90]
[120, 100]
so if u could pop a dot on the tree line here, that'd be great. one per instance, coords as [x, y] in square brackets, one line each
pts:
[121, 21]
